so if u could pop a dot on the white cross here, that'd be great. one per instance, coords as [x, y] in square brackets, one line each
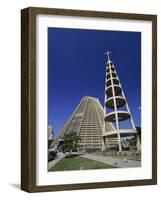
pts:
[108, 54]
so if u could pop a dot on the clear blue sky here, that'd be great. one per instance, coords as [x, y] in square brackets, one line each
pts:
[76, 68]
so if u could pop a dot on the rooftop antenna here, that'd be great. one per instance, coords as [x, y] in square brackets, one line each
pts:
[108, 54]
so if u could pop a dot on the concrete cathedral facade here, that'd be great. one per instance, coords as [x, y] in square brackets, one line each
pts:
[87, 121]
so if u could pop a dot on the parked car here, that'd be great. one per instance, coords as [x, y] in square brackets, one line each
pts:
[52, 154]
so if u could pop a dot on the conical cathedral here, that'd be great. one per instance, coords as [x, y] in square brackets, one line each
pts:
[88, 122]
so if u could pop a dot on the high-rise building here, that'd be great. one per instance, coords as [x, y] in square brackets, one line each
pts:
[88, 122]
[50, 132]
[116, 109]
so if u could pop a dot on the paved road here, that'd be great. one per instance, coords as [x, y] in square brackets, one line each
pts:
[117, 162]
[53, 162]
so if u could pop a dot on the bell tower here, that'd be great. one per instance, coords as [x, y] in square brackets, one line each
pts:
[116, 108]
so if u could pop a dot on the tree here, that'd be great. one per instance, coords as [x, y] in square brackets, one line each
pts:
[70, 142]
[139, 132]
[49, 143]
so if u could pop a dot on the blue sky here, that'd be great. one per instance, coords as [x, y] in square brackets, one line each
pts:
[76, 68]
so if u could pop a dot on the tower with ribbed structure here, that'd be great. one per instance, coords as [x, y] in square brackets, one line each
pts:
[116, 109]
[88, 122]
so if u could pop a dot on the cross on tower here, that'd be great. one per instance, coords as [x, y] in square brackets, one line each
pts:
[108, 54]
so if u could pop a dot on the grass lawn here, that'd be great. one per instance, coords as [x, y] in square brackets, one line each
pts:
[75, 162]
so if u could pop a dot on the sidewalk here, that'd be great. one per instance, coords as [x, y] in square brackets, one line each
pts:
[117, 162]
[53, 162]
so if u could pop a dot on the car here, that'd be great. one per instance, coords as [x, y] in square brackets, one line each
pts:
[52, 154]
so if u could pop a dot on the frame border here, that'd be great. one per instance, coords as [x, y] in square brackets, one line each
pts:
[28, 98]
